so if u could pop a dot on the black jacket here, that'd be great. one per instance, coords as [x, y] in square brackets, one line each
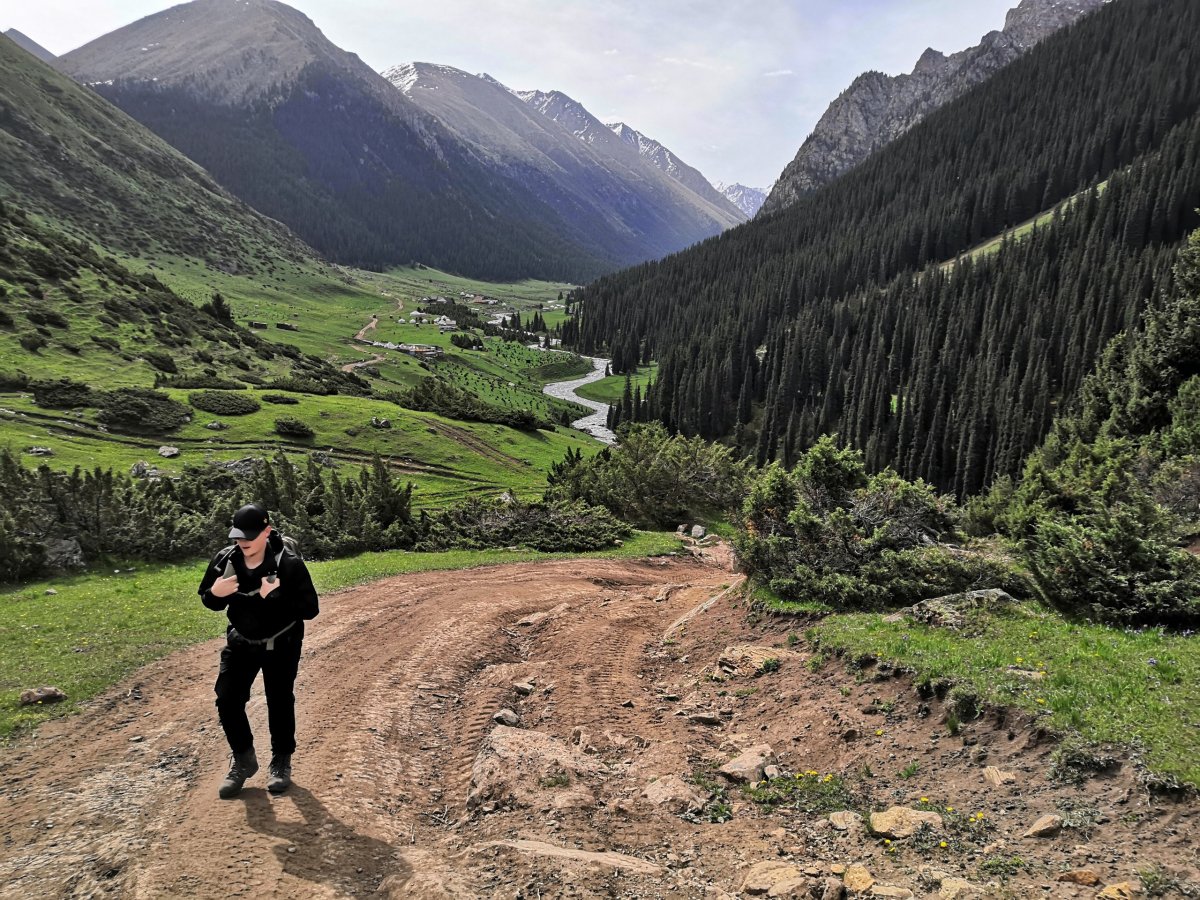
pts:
[254, 616]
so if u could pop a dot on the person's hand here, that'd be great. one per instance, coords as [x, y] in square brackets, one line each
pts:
[267, 586]
[223, 587]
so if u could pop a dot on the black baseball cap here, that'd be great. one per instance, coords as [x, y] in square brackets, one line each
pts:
[249, 522]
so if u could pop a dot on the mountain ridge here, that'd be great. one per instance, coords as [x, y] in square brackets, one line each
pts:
[877, 108]
[29, 45]
[309, 134]
[596, 181]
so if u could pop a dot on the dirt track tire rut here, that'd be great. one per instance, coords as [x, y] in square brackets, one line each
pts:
[397, 686]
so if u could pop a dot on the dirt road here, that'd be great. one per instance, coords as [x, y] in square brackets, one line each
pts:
[397, 687]
[633, 682]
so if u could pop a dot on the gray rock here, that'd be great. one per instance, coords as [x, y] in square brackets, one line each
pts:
[675, 794]
[215, 425]
[40, 451]
[63, 553]
[168, 452]
[749, 765]
[524, 688]
[699, 531]
[46, 694]
[506, 717]
[953, 610]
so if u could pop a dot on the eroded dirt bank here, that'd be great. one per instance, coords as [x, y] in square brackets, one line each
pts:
[613, 695]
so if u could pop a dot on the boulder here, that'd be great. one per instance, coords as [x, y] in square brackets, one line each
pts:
[749, 765]
[46, 694]
[143, 469]
[764, 877]
[857, 878]
[1122, 890]
[1085, 877]
[168, 452]
[699, 531]
[901, 822]
[704, 718]
[513, 763]
[524, 688]
[997, 777]
[1046, 826]
[215, 425]
[506, 717]
[846, 820]
[63, 553]
[891, 890]
[829, 889]
[954, 888]
[744, 659]
[675, 794]
[952, 610]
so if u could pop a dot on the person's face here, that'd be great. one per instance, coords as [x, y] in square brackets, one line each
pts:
[255, 547]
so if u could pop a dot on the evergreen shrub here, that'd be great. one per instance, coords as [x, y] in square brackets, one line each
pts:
[827, 532]
[62, 393]
[224, 403]
[288, 427]
[141, 410]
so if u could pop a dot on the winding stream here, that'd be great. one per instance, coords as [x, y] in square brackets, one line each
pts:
[596, 423]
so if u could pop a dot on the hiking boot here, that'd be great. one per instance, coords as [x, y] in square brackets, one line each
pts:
[280, 777]
[241, 766]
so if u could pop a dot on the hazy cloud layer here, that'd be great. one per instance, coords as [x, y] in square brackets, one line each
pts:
[732, 86]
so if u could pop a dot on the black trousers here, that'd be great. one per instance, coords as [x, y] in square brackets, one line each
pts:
[240, 665]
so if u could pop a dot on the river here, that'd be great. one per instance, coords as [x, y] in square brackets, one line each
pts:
[595, 424]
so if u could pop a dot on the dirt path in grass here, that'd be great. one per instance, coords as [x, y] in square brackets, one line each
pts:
[370, 326]
[398, 687]
[375, 358]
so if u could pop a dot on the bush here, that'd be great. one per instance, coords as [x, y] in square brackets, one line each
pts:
[62, 394]
[32, 342]
[224, 403]
[302, 386]
[653, 479]
[293, 428]
[826, 532]
[280, 399]
[141, 410]
[550, 527]
[212, 382]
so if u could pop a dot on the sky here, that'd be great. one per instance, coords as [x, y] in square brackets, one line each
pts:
[732, 87]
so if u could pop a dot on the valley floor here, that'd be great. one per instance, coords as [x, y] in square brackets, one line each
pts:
[405, 787]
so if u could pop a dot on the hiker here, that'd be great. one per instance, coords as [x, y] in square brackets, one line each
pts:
[262, 583]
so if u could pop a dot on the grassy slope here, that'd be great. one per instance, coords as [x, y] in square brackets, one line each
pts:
[609, 390]
[1108, 685]
[87, 170]
[98, 628]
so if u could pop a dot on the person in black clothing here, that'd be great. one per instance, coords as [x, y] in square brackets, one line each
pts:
[267, 593]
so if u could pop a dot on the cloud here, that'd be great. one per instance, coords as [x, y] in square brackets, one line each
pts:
[612, 52]
[778, 73]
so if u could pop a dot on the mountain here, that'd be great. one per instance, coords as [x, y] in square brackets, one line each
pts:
[309, 134]
[668, 162]
[936, 305]
[574, 116]
[605, 190]
[29, 45]
[87, 194]
[749, 200]
[877, 108]
[87, 167]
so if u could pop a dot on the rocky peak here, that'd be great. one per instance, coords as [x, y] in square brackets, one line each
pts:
[230, 51]
[877, 108]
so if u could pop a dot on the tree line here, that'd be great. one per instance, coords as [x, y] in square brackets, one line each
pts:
[848, 312]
